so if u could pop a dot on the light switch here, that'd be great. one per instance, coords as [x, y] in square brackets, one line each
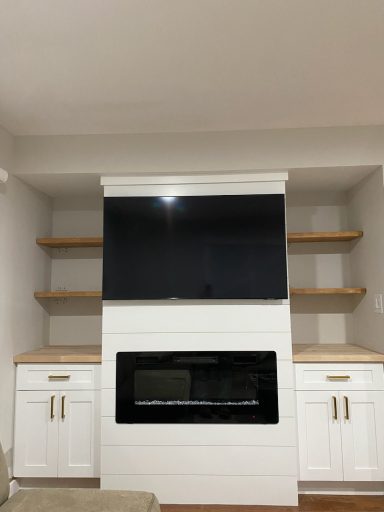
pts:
[378, 303]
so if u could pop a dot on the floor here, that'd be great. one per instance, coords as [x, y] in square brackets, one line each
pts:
[307, 503]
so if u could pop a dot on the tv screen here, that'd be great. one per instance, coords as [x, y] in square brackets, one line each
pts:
[195, 247]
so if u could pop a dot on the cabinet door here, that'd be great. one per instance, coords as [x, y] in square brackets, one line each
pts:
[36, 434]
[319, 441]
[362, 427]
[79, 433]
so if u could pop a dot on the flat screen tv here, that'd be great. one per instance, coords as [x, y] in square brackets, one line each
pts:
[195, 247]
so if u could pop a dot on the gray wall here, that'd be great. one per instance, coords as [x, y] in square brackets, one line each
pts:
[24, 267]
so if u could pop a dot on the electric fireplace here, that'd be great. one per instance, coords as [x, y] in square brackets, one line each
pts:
[196, 387]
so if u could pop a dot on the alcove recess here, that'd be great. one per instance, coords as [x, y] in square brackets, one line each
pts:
[322, 250]
[73, 299]
[329, 242]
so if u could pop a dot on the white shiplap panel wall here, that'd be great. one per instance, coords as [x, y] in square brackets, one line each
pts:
[120, 318]
[136, 456]
[220, 464]
[211, 489]
[177, 341]
[282, 434]
[203, 460]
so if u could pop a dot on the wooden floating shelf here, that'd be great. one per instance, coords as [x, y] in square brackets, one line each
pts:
[324, 236]
[58, 243]
[328, 291]
[64, 294]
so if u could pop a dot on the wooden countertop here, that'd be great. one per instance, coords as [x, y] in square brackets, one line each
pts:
[334, 353]
[62, 354]
[314, 353]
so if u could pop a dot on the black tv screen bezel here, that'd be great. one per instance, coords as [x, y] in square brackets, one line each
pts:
[108, 296]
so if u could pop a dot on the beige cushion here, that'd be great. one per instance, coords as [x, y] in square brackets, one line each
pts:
[81, 500]
[4, 478]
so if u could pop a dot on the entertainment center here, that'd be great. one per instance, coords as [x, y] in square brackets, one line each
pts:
[245, 460]
[178, 436]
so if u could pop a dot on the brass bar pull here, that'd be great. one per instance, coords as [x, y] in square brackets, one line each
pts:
[63, 407]
[334, 404]
[52, 407]
[346, 408]
[58, 377]
[338, 377]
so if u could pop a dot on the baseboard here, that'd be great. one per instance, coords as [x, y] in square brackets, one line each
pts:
[13, 487]
[62, 483]
[342, 488]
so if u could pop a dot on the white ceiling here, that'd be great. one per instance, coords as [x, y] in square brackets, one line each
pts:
[116, 66]
[311, 180]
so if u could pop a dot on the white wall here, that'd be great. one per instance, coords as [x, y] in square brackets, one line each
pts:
[76, 321]
[24, 267]
[366, 212]
[320, 319]
[7, 146]
[200, 151]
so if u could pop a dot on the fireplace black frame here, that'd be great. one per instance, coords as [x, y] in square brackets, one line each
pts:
[241, 387]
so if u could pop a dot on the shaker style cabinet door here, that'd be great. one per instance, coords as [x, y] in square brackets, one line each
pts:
[57, 421]
[79, 444]
[319, 440]
[36, 434]
[362, 428]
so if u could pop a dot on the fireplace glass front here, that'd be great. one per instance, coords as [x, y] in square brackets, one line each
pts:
[196, 387]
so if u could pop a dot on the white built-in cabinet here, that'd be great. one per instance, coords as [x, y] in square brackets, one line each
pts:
[57, 421]
[340, 422]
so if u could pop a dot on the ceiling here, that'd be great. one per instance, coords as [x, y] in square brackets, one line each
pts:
[313, 180]
[135, 66]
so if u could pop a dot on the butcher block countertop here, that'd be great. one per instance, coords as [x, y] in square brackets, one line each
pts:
[335, 353]
[62, 354]
[316, 353]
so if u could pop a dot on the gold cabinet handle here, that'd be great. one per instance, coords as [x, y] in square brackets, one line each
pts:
[52, 407]
[346, 408]
[59, 377]
[334, 406]
[338, 377]
[63, 407]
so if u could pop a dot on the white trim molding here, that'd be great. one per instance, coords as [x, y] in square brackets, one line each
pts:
[175, 179]
[13, 487]
[199, 184]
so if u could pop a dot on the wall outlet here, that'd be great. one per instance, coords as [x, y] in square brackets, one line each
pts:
[378, 306]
